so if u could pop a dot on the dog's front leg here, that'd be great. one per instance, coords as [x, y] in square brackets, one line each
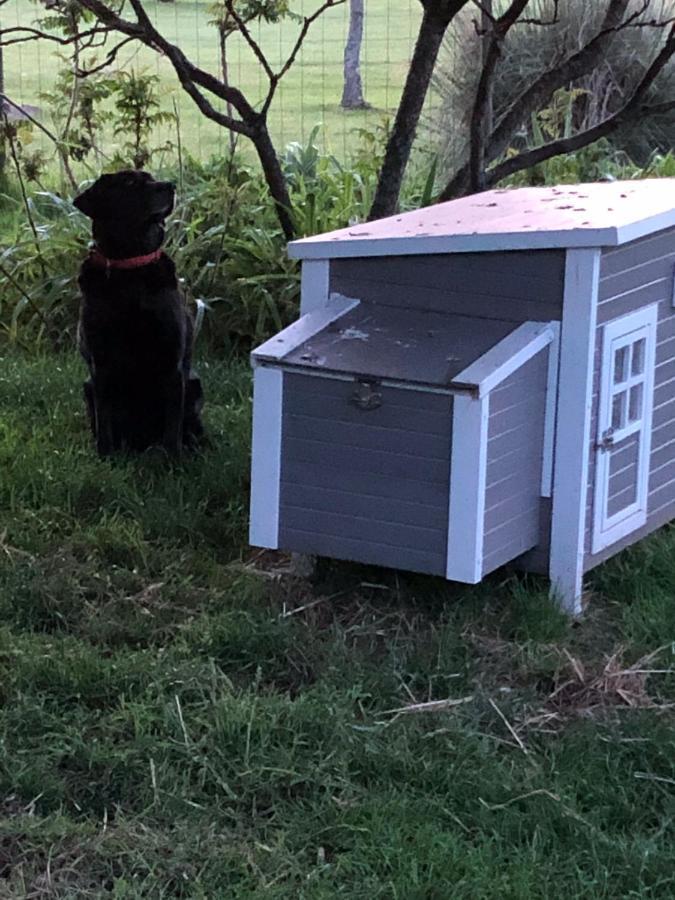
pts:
[104, 414]
[174, 404]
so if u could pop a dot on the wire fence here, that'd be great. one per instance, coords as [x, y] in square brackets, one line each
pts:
[309, 94]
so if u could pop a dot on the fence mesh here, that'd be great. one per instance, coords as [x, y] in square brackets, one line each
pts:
[308, 96]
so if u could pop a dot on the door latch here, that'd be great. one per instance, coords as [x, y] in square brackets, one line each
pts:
[606, 441]
[365, 396]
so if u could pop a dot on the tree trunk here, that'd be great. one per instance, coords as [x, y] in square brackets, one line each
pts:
[352, 93]
[482, 121]
[3, 155]
[274, 177]
[429, 39]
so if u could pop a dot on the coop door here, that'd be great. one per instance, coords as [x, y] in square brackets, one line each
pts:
[624, 426]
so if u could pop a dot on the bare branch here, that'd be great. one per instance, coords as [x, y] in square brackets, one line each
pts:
[275, 79]
[498, 31]
[188, 74]
[633, 109]
[32, 119]
[248, 37]
[110, 58]
[535, 95]
[33, 34]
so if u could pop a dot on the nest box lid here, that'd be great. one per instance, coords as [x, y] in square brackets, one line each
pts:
[603, 214]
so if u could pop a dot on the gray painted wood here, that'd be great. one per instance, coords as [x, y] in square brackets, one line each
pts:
[514, 465]
[516, 285]
[356, 549]
[365, 485]
[537, 560]
[380, 487]
[631, 276]
[372, 341]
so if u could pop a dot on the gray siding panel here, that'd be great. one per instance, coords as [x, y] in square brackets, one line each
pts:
[514, 464]
[632, 276]
[517, 285]
[365, 436]
[362, 505]
[365, 485]
[406, 489]
[360, 550]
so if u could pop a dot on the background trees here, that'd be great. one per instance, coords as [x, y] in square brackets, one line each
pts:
[486, 137]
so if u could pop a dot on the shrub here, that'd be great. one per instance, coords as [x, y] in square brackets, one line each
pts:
[224, 236]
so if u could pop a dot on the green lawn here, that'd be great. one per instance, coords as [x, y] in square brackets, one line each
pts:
[309, 94]
[181, 719]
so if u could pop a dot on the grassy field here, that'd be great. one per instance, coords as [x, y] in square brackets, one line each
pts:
[309, 94]
[181, 718]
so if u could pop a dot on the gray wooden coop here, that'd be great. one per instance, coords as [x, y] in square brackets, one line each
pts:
[486, 381]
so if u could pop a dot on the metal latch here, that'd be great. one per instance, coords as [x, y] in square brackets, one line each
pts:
[606, 441]
[365, 396]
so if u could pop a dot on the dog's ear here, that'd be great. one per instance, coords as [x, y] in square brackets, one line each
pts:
[86, 202]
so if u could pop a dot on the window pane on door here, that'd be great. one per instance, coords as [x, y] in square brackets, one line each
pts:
[638, 358]
[635, 403]
[619, 411]
[620, 365]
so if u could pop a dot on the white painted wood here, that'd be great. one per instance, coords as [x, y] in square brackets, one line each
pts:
[469, 243]
[551, 403]
[314, 285]
[266, 457]
[468, 467]
[650, 225]
[506, 357]
[616, 334]
[303, 329]
[569, 216]
[573, 426]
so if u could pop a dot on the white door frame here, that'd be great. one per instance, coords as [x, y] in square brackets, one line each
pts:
[619, 334]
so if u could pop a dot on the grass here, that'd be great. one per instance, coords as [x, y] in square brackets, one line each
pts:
[308, 95]
[181, 718]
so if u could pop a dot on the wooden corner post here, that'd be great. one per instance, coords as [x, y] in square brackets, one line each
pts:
[573, 427]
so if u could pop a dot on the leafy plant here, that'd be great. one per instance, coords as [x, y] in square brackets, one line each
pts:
[136, 115]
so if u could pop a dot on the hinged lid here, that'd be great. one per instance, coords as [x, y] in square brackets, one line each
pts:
[390, 344]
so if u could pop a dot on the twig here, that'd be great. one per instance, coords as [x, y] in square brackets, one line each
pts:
[510, 727]
[15, 159]
[428, 706]
[110, 58]
[36, 309]
[306, 606]
[182, 721]
[647, 776]
[32, 34]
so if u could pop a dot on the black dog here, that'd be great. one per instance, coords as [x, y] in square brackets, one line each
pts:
[135, 332]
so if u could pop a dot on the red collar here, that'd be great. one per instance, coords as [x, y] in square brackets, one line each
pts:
[132, 262]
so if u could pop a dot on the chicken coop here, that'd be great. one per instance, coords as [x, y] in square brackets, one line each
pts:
[486, 381]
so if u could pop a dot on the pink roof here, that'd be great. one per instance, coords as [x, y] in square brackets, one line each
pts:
[580, 215]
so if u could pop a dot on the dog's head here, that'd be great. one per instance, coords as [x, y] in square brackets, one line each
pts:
[127, 210]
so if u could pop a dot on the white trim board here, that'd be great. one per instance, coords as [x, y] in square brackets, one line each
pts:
[460, 243]
[302, 330]
[573, 426]
[314, 285]
[468, 470]
[266, 457]
[506, 357]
